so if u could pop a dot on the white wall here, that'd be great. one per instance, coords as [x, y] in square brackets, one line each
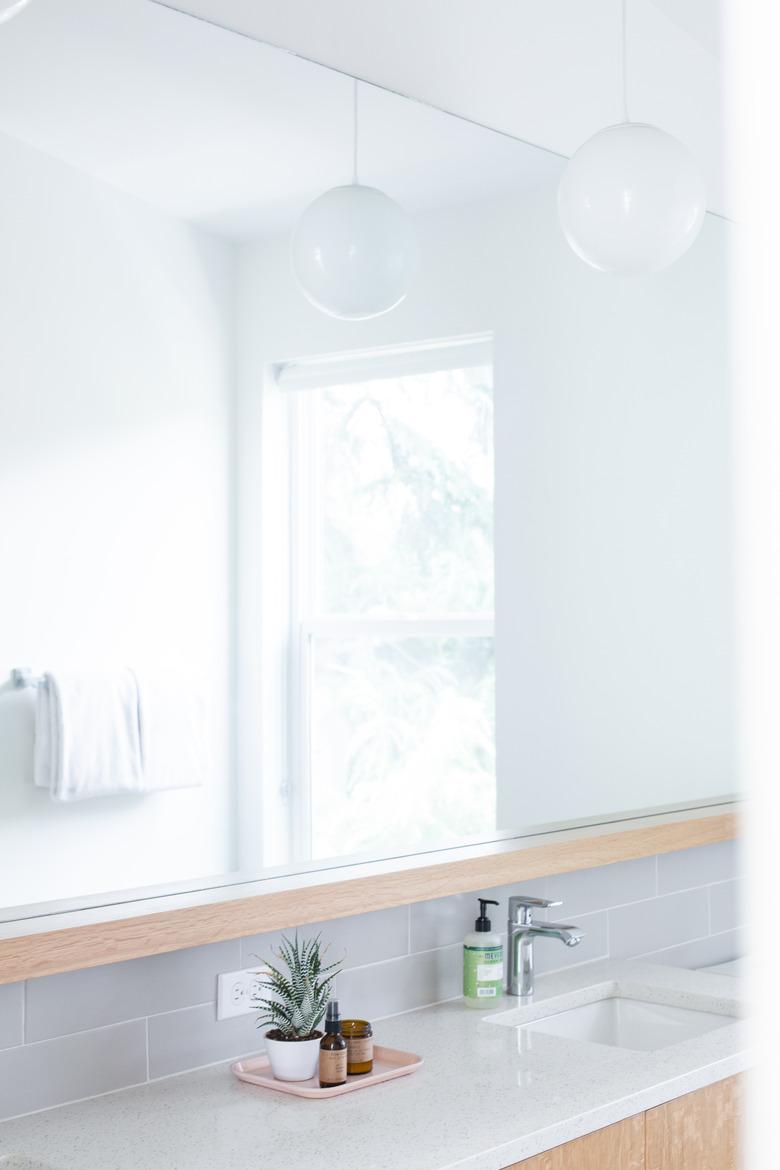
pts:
[116, 369]
[614, 623]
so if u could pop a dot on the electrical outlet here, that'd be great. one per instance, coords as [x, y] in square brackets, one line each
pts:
[236, 990]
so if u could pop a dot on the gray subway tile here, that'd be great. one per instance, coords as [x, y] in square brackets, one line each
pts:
[11, 1014]
[446, 921]
[662, 922]
[601, 888]
[193, 1037]
[699, 866]
[726, 906]
[361, 939]
[60, 1004]
[702, 952]
[38, 1076]
[402, 984]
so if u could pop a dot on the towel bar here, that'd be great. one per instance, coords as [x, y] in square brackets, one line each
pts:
[22, 676]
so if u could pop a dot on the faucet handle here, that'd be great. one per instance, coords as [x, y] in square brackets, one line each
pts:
[528, 904]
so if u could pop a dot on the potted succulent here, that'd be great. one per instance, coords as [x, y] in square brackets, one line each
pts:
[295, 1007]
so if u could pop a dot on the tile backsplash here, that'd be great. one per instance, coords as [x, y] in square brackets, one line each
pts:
[64, 1037]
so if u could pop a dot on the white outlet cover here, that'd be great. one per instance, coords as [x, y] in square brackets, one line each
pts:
[236, 990]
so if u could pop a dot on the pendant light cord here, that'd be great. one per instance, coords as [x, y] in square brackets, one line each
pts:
[623, 57]
[355, 133]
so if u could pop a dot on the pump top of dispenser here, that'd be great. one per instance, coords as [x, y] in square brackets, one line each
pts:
[332, 1019]
[482, 924]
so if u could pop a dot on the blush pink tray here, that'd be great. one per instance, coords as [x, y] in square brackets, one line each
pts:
[389, 1063]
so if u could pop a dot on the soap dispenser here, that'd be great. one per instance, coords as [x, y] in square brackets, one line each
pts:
[483, 961]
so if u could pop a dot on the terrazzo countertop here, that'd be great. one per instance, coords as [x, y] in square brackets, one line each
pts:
[735, 968]
[486, 1096]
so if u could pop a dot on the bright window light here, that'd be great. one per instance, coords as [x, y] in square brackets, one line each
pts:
[391, 640]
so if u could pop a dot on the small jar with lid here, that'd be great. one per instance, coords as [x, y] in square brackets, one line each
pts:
[359, 1036]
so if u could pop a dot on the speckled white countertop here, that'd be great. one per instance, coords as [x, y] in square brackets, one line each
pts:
[735, 968]
[481, 1101]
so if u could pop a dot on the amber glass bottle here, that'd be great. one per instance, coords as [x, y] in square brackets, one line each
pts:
[360, 1046]
[333, 1050]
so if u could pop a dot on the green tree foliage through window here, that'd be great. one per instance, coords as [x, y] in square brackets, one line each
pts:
[407, 486]
[402, 729]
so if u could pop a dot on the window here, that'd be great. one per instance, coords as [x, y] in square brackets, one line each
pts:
[391, 712]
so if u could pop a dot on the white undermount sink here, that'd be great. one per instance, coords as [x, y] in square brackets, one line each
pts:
[629, 1023]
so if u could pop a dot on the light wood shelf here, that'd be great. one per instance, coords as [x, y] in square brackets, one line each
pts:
[38, 951]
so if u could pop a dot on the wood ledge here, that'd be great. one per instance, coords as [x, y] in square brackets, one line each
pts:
[92, 945]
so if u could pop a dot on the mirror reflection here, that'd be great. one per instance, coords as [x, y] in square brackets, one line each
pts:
[332, 528]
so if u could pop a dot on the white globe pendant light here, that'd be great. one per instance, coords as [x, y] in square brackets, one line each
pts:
[631, 200]
[354, 250]
[9, 8]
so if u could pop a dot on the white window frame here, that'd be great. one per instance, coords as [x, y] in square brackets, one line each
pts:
[303, 624]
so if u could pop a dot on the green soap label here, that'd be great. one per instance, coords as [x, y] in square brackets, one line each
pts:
[483, 972]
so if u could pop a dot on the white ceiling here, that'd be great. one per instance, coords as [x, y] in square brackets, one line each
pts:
[223, 130]
[701, 19]
[545, 70]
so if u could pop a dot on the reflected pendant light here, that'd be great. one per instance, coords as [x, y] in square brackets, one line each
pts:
[631, 200]
[354, 250]
[9, 8]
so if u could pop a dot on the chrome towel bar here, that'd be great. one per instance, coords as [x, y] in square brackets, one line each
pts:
[22, 676]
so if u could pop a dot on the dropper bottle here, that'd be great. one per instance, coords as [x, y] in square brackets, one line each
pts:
[333, 1050]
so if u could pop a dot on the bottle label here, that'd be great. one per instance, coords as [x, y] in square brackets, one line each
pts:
[360, 1049]
[483, 972]
[333, 1066]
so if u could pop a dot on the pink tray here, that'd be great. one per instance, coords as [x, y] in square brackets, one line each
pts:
[389, 1063]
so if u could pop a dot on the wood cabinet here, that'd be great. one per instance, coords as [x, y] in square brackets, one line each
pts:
[699, 1131]
[618, 1147]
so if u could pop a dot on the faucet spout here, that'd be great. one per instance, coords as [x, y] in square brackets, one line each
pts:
[572, 936]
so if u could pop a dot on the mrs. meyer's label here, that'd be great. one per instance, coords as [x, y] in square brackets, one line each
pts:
[483, 972]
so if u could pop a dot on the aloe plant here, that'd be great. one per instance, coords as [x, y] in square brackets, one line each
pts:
[298, 999]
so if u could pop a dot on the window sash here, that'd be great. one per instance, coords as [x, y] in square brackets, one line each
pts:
[396, 361]
[305, 625]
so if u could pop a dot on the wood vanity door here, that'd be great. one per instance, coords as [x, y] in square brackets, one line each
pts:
[618, 1147]
[697, 1132]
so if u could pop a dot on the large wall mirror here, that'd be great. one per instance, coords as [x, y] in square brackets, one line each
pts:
[281, 588]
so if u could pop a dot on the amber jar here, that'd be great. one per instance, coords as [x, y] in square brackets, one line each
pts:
[360, 1046]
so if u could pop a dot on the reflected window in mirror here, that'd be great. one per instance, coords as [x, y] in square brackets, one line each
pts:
[390, 723]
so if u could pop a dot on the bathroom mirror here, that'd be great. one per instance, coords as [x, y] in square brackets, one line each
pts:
[380, 586]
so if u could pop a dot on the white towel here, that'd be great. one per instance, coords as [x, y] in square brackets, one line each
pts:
[87, 735]
[172, 719]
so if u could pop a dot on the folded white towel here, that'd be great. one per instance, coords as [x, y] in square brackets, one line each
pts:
[87, 735]
[172, 719]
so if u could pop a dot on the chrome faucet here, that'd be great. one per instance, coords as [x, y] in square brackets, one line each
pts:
[521, 932]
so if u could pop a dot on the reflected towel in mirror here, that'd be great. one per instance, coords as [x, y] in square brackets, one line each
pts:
[87, 735]
[120, 731]
[172, 720]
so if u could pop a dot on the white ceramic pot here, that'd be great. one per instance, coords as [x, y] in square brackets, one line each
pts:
[294, 1060]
